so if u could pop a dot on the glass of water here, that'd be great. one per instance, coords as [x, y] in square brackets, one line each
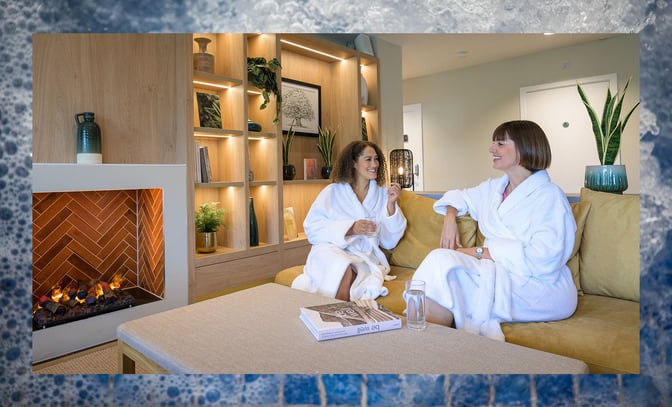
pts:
[414, 295]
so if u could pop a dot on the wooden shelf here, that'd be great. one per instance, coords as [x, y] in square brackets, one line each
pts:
[209, 132]
[207, 80]
[218, 184]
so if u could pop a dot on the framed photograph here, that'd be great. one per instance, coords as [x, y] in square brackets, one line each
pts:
[301, 107]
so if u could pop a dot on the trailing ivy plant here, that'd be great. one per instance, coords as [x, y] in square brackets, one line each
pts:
[262, 74]
[208, 218]
[608, 130]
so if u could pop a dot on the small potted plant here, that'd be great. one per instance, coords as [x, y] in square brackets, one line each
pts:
[607, 177]
[288, 170]
[262, 74]
[325, 145]
[208, 218]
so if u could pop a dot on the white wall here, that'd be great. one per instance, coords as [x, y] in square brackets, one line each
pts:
[391, 96]
[462, 108]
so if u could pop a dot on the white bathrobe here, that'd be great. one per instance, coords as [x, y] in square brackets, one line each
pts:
[530, 236]
[334, 211]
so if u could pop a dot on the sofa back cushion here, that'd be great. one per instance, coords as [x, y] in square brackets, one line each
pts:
[609, 252]
[580, 211]
[423, 230]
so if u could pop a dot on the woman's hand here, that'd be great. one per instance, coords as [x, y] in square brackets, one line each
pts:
[450, 235]
[363, 227]
[393, 193]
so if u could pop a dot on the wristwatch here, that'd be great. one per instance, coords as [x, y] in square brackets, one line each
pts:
[479, 253]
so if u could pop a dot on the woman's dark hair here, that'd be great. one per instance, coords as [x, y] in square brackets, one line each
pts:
[344, 168]
[531, 142]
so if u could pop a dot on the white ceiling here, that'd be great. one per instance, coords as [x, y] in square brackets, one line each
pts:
[426, 54]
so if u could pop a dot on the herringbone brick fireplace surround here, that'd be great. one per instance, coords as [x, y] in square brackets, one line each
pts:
[97, 235]
[92, 223]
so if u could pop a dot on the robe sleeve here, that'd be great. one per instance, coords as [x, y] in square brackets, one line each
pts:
[464, 200]
[327, 221]
[392, 228]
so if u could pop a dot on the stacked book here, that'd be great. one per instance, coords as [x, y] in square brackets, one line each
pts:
[203, 173]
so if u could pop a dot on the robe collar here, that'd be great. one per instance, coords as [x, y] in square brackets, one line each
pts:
[522, 191]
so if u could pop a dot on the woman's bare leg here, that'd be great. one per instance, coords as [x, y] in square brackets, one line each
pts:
[437, 314]
[343, 292]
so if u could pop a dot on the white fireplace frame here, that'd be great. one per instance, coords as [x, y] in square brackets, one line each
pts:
[73, 336]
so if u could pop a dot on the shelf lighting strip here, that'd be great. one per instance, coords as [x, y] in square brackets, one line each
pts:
[216, 85]
[312, 50]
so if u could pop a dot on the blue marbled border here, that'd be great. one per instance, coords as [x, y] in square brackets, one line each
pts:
[19, 19]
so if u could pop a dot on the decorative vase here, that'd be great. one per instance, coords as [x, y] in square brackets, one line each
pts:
[253, 126]
[326, 171]
[206, 242]
[202, 60]
[288, 172]
[606, 178]
[254, 227]
[88, 139]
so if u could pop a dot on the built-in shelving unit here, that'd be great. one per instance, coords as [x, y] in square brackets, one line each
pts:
[247, 164]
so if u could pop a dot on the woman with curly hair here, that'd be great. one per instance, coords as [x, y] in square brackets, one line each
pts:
[347, 223]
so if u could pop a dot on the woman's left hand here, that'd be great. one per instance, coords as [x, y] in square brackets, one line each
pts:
[393, 193]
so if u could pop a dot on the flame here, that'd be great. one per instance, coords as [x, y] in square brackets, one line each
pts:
[99, 290]
[116, 282]
[56, 293]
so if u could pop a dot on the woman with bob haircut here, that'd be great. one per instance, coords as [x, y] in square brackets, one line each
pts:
[347, 223]
[519, 274]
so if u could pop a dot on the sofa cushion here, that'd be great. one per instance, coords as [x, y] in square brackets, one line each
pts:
[423, 230]
[603, 332]
[580, 211]
[609, 253]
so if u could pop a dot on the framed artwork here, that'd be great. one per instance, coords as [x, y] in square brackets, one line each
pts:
[309, 168]
[301, 107]
[209, 113]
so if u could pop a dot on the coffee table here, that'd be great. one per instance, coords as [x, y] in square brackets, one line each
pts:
[258, 330]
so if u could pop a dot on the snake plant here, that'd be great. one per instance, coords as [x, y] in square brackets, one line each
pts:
[325, 145]
[608, 130]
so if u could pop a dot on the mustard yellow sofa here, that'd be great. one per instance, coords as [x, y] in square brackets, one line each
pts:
[604, 330]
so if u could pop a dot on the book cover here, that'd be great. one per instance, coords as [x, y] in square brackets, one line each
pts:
[209, 110]
[290, 223]
[341, 319]
[197, 163]
[309, 168]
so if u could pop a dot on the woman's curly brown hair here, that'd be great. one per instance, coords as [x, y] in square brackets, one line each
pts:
[344, 168]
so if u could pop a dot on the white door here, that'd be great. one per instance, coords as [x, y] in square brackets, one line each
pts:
[558, 109]
[413, 142]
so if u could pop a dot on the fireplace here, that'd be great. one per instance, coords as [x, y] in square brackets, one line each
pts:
[109, 245]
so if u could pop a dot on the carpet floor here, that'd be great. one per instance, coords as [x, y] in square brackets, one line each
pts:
[97, 360]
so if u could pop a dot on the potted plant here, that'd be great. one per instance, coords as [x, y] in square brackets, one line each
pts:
[288, 170]
[325, 145]
[262, 74]
[607, 177]
[208, 218]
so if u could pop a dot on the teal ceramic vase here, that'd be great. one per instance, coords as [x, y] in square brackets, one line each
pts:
[254, 226]
[606, 178]
[88, 139]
